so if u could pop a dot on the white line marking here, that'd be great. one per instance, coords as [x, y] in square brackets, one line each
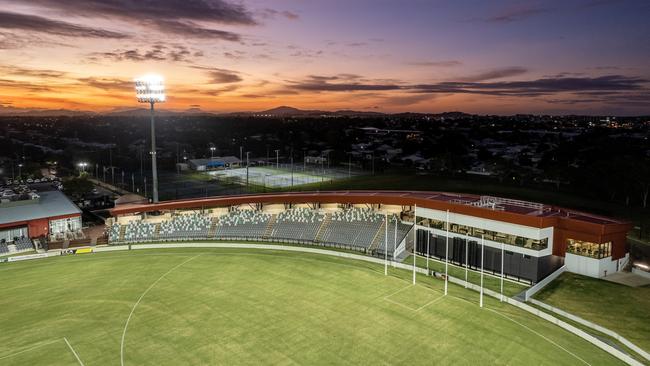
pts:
[430, 302]
[73, 352]
[126, 325]
[29, 349]
[541, 335]
[398, 291]
[400, 304]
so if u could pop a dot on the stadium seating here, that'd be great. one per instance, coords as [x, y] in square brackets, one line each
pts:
[245, 224]
[185, 226]
[23, 244]
[402, 230]
[3, 249]
[300, 224]
[354, 227]
[114, 233]
[139, 231]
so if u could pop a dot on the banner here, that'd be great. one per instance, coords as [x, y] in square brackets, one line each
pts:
[76, 251]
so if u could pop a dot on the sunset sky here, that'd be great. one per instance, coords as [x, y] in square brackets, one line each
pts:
[503, 57]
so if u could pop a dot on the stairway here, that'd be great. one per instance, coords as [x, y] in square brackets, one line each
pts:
[156, 232]
[321, 229]
[269, 227]
[212, 232]
[379, 238]
[122, 231]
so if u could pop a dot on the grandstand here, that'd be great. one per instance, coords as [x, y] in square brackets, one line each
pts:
[354, 228]
[185, 226]
[298, 224]
[537, 239]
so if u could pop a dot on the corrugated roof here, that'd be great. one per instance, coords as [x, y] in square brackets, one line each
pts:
[50, 204]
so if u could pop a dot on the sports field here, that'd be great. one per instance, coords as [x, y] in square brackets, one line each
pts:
[232, 306]
[281, 177]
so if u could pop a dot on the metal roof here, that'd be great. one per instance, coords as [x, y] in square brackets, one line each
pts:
[50, 204]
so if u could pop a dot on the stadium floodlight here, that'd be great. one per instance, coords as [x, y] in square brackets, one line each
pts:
[415, 237]
[447, 255]
[150, 89]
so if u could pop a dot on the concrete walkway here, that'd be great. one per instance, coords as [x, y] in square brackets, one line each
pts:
[627, 279]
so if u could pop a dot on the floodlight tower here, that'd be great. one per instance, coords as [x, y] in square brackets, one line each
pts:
[151, 89]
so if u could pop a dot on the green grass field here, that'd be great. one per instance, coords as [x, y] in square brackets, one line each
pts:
[620, 308]
[238, 306]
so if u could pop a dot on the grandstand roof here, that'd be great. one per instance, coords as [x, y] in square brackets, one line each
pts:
[514, 211]
[50, 204]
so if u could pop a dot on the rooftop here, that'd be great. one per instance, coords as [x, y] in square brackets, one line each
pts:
[508, 207]
[49, 204]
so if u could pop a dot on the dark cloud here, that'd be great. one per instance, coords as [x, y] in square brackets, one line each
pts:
[448, 63]
[157, 52]
[606, 68]
[272, 13]
[218, 11]
[24, 86]
[545, 86]
[191, 29]
[496, 74]
[180, 17]
[234, 55]
[343, 83]
[603, 86]
[303, 52]
[33, 23]
[220, 76]
[37, 73]
[108, 83]
[514, 15]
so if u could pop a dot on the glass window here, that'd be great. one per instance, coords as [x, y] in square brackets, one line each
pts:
[65, 225]
[589, 249]
[519, 241]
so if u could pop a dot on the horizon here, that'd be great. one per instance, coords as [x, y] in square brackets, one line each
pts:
[581, 57]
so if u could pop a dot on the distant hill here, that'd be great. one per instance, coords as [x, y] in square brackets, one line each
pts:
[144, 112]
[13, 111]
[281, 111]
[286, 111]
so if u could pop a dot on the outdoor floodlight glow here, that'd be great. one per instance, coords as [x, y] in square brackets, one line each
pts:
[150, 88]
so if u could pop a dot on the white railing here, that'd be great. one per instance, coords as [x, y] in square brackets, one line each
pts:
[541, 284]
[400, 248]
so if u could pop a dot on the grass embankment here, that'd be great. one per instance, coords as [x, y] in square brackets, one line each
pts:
[623, 309]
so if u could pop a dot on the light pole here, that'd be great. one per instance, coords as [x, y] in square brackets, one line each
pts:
[151, 89]
[247, 155]
[20, 172]
[82, 168]
[212, 148]
[277, 159]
